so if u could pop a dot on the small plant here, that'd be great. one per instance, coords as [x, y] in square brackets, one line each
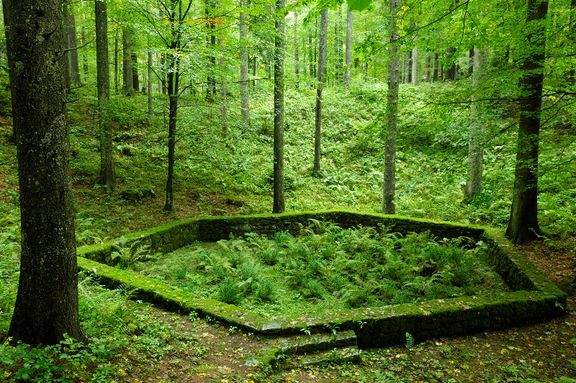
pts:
[128, 255]
[229, 291]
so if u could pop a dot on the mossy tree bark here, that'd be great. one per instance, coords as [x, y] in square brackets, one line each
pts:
[320, 87]
[279, 48]
[135, 77]
[103, 84]
[389, 189]
[47, 301]
[523, 224]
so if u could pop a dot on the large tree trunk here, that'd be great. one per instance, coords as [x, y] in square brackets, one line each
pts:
[476, 133]
[453, 68]
[127, 61]
[347, 79]
[389, 189]
[523, 225]
[279, 46]
[319, 89]
[244, 84]
[103, 84]
[172, 119]
[47, 301]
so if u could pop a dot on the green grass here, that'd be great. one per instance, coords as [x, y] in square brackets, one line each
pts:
[327, 267]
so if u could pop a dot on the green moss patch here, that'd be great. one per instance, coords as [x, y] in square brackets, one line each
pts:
[533, 297]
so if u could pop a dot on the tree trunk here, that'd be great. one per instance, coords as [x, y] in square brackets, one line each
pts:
[476, 132]
[453, 68]
[47, 301]
[150, 77]
[244, 83]
[127, 61]
[415, 71]
[321, 81]
[116, 66]
[571, 80]
[347, 79]
[172, 118]
[279, 46]
[135, 79]
[70, 44]
[523, 225]
[211, 42]
[103, 84]
[338, 75]
[436, 66]
[389, 189]
[296, 53]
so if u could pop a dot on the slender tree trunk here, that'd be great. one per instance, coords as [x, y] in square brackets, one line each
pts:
[127, 61]
[279, 47]
[116, 66]
[244, 82]
[72, 65]
[135, 78]
[338, 74]
[523, 225]
[319, 89]
[415, 71]
[476, 132]
[47, 300]
[571, 80]
[150, 77]
[349, 21]
[103, 84]
[172, 118]
[436, 65]
[296, 53]
[389, 190]
[211, 42]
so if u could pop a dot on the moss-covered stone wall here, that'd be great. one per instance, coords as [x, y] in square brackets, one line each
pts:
[534, 297]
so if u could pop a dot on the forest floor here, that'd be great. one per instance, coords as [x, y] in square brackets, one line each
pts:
[544, 352]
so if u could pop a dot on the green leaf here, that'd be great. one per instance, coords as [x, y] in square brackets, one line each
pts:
[359, 5]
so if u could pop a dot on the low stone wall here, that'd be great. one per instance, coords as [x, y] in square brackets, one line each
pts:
[533, 298]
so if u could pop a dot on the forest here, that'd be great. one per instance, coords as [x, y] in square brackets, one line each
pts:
[120, 116]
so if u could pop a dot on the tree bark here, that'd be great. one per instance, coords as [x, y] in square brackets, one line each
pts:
[389, 189]
[319, 89]
[523, 224]
[415, 71]
[244, 83]
[279, 47]
[296, 53]
[127, 61]
[211, 42]
[103, 84]
[571, 80]
[476, 133]
[135, 78]
[72, 65]
[150, 77]
[116, 66]
[453, 68]
[47, 301]
[349, 21]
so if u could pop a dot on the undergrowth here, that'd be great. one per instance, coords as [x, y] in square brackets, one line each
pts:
[328, 266]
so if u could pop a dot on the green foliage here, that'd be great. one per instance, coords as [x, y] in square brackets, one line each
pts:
[330, 266]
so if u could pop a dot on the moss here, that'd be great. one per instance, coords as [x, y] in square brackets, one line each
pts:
[535, 297]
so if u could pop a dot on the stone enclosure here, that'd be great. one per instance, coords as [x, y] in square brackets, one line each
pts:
[532, 297]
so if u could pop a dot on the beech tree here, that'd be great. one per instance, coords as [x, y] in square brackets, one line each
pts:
[244, 85]
[103, 84]
[47, 301]
[321, 80]
[279, 48]
[389, 190]
[349, 22]
[523, 224]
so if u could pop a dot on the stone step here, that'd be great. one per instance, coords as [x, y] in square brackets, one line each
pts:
[303, 344]
[343, 355]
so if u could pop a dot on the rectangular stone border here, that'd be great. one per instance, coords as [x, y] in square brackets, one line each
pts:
[534, 298]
